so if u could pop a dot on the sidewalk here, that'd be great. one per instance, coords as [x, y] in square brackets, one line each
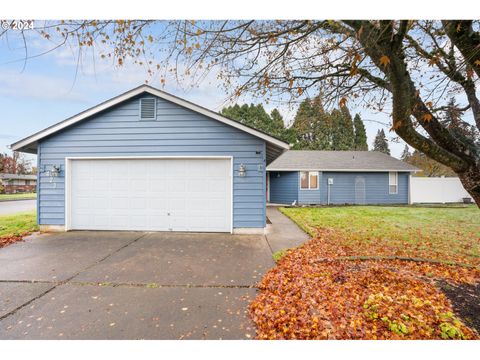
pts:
[283, 233]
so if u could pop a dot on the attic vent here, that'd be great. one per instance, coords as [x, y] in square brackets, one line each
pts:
[147, 109]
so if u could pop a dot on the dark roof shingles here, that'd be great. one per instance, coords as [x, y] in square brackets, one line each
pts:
[338, 160]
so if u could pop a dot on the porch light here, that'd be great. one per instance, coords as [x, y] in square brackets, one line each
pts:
[242, 170]
[53, 173]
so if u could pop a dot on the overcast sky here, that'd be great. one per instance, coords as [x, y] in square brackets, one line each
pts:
[49, 89]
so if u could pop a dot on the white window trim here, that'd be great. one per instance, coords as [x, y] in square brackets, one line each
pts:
[308, 177]
[390, 184]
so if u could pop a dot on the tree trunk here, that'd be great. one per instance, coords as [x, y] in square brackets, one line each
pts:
[471, 182]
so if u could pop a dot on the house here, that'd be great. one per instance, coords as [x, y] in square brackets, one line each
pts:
[17, 183]
[149, 161]
[338, 177]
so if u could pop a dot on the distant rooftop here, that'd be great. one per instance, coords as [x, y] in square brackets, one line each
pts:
[18, 177]
[338, 161]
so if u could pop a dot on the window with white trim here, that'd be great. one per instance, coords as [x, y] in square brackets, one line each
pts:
[393, 182]
[309, 180]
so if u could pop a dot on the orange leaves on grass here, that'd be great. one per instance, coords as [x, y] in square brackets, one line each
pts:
[319, 291]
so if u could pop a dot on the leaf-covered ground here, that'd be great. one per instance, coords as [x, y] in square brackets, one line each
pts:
[14, 227]
[337, 286]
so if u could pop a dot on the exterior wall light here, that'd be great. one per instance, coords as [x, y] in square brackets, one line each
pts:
[55, 172]
[242, 170]
[52, 173]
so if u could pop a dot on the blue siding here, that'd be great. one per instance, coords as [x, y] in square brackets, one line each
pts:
[376, 188]
[310, 196]
[176, 131]
[283, 187]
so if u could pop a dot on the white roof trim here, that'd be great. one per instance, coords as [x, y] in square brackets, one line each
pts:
[346, 170]
[132, 93]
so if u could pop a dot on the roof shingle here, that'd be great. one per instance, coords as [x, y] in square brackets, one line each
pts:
[338, 161]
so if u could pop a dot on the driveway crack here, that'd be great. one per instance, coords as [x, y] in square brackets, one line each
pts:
[58, 283]
[268, 243]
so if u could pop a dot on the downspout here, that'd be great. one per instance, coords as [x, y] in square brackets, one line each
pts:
[409, 188]
[328, 191]
[38, 181]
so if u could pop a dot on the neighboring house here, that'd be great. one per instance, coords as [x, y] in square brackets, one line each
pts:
[338, 177]
[147, 160]
[17, 183]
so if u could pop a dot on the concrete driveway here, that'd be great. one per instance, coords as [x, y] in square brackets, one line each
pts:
[16, 206]
[133, 285]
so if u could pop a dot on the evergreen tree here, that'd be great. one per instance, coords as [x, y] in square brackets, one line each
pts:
[460, 128]
[405, 153]
[311, 126]
[360, 142]
[343, 135]
[381, 143]
[255, 116]
[277, 118]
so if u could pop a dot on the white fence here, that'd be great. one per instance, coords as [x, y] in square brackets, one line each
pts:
[437, 190]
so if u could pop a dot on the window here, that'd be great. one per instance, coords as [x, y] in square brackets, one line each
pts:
[393, 182]
[308, 180]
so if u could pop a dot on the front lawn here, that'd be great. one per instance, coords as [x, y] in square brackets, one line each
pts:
[19, 196]
[444, 233]
[375, 273]
[14, 227]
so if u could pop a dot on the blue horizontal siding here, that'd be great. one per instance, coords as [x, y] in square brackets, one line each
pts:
[176, 131]
[283, 187]
[376, 188]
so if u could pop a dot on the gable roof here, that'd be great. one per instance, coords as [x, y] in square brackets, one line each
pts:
[29, 144]
[294, 160]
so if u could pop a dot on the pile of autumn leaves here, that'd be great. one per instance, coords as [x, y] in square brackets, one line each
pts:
[323, 290]
[10, 239]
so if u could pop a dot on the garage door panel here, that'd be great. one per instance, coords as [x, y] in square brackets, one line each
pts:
[140, 185]
[151, 194]
[120, 203]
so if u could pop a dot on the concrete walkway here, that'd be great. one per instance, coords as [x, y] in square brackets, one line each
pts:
[283, 233]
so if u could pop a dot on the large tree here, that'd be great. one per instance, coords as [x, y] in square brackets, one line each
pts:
[312, 126]
[343, 134]
[380, 143]
[15, 164]
[405, 153]
[360, 141]
[408, 66]
[255, 116]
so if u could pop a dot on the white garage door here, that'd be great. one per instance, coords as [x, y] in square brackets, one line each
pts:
[150, 194]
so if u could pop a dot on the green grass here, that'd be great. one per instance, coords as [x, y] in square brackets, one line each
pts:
[20, 196]
[17, 224]
[446, 233]
[278, 255]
